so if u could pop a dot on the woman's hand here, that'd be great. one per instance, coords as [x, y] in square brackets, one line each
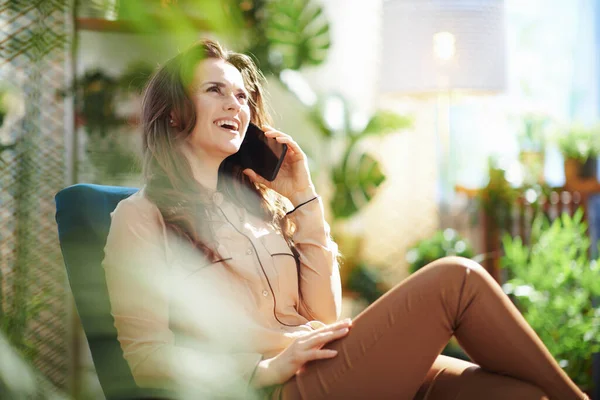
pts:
[293, 176]
[286, 364]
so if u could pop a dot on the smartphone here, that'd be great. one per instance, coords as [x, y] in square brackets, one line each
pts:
[262, 154]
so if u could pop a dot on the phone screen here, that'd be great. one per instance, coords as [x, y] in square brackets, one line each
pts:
[262, 154]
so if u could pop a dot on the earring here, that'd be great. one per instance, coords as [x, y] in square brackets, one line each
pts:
[171, 122]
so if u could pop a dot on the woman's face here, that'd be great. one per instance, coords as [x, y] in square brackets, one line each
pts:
[222, 110]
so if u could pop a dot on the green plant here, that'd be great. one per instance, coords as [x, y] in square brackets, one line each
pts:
[580, 143]
[279, 34]
[443, 243]
[357, 174]
[553, 281]
[498, 197]
[135, 76]
[366, 282]
[3, 104]
[112, 156]
[298, 33]
[181, 20]
[108, 146]
[286, 34]
[95, 95]
[533, 133]
[16, 311]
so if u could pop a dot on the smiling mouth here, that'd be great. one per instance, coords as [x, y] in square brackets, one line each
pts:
[228, 125]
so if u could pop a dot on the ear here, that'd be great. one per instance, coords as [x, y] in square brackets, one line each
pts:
[172, 120]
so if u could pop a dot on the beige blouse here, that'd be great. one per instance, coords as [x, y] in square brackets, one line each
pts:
[187, 322]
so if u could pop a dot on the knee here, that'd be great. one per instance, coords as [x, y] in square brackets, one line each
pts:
[455, 267]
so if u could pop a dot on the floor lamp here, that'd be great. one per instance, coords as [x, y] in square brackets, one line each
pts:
[438, 49]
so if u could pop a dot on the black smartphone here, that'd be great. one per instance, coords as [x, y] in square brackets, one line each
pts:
[262, 154]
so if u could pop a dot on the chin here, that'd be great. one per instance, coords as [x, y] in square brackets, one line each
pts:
[231, 148]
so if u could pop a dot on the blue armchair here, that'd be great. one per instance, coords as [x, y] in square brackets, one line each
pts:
[83, 218]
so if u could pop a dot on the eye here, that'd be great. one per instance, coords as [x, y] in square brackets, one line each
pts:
[215, 89]
[242, 96]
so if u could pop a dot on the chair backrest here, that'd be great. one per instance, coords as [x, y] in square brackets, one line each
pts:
[83, 218]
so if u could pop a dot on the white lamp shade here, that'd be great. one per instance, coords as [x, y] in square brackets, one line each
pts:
[438, 45]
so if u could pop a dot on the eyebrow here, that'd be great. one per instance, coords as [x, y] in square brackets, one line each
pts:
[222, 85]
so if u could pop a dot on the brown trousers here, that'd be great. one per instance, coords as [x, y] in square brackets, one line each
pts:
[392, 350]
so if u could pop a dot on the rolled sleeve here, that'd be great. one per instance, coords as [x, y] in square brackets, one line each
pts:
[320, 284]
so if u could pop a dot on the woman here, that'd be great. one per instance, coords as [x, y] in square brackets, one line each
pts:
[215, 288]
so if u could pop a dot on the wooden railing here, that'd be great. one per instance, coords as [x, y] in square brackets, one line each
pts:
[559, 200]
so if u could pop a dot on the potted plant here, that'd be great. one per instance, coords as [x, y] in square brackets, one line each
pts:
[553, 282]
[580, 147]
[498, 197]
[532, 138]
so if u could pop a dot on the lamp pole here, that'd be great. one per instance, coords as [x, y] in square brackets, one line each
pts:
[444, 49]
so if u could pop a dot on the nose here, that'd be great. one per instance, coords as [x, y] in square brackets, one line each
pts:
[232, 103]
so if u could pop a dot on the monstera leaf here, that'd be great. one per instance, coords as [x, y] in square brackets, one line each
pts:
[384, 122]
[298, 32]
[356, 183]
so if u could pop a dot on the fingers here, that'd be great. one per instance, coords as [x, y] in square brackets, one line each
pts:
[347, 322]
[284, 138]
[291, 143]
[328, 333]
[323, 338]
[319, 354]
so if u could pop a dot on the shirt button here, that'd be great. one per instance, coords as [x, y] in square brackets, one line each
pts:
[265, 293]
[249, 252]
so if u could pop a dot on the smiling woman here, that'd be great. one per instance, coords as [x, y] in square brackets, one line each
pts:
[216, 289]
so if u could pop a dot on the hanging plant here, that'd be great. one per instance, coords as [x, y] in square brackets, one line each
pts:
[98, 97]
[95, 101]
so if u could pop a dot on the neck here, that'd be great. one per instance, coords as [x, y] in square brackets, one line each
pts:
[204, 168]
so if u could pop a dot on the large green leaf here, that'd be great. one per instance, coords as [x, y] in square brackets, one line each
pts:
[298, 32]
[385, 122]
[356, 184]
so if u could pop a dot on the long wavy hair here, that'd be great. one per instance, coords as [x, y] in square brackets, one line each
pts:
[170, 183]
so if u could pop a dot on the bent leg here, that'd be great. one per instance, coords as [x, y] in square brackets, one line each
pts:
[394, 343]
[453, 379]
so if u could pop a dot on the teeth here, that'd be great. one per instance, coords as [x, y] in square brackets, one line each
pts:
[227, 122]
